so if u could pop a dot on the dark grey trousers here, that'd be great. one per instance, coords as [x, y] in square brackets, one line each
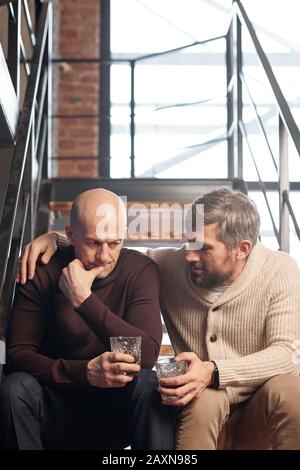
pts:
[34, 416]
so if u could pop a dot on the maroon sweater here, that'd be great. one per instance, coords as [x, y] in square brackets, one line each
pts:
[53, 341]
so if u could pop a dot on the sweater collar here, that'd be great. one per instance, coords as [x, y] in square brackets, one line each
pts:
[253, 266]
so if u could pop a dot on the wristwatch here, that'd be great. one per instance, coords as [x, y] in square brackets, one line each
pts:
[215, 380]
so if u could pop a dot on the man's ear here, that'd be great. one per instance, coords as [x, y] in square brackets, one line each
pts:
[69, 233]
[244, 249]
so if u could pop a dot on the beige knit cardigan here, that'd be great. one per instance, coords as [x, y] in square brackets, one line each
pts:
[252, 331]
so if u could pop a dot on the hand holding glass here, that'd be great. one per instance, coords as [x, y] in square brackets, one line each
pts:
[169, 367]
[127, 345]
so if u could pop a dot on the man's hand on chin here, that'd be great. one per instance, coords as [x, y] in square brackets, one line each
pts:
[76, 282]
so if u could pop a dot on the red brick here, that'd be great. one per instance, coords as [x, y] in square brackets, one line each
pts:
[78, 86]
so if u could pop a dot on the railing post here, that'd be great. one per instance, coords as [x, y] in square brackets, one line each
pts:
[132, 121]
[229, 101]
[234, 60]
[284, 226]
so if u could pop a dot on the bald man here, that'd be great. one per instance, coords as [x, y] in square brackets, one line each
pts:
[63, 387]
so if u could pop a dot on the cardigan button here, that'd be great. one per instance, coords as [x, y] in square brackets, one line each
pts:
[213, 338]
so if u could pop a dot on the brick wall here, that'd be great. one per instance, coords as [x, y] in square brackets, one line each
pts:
[76, 88]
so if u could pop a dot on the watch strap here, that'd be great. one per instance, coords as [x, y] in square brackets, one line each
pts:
[216, 379]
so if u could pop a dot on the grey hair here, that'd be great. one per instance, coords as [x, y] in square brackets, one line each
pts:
[234, 212]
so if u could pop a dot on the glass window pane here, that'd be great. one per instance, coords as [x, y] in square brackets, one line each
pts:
[179, 97]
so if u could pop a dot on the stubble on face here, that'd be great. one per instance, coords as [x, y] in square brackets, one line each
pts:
[209, 279]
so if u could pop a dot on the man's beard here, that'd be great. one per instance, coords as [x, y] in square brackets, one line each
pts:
[209, 280]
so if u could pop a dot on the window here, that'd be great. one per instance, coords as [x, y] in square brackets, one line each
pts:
[180, 105]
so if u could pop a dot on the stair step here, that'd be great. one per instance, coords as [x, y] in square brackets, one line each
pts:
[166, 350]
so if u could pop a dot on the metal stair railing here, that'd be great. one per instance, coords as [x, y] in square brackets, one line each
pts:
[236, 129]
[21, 41]
[236, 83]
[31, 150]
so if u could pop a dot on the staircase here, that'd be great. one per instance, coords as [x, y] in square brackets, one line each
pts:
[24, 134]
[31, 202]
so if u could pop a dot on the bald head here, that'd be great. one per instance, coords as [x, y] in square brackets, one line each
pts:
[97, 229]
[100, 211]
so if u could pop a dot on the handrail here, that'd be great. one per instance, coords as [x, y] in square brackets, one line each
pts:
[284, 109]
[44, 81]
[178, 49]
[29, 23]
[20, 188]
[236, 83]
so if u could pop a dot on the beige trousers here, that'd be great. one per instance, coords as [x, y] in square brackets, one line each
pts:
[270, 419]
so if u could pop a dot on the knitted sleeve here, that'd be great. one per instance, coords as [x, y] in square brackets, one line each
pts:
[62, 239]
[282, 332]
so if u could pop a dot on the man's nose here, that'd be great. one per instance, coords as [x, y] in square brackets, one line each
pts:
[103, 253]
[192, 256]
